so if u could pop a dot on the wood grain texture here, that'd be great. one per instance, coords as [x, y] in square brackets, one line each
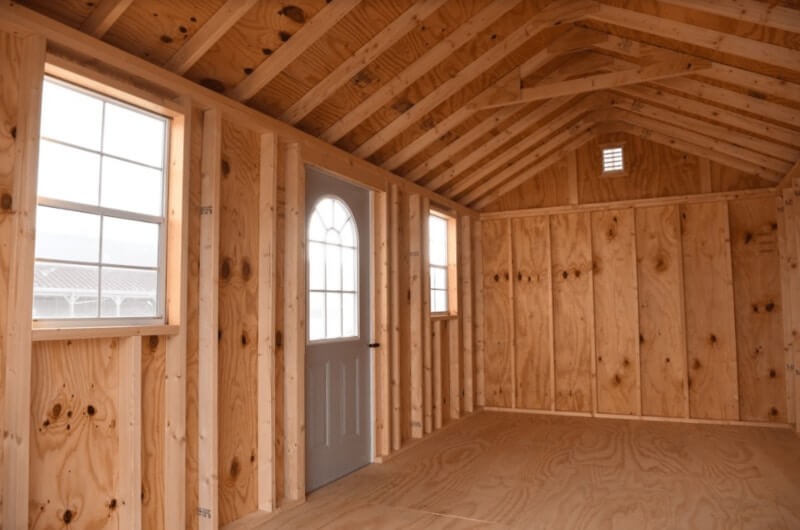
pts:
[573, 311]
[520, 470]
[74, 434]
[662, 336]
[616, 311]
[710, 333]
[153, 427]
[532, 311]
[192, 330]
[759, 308]
[238, 322]
[497, 313]
[10, 51]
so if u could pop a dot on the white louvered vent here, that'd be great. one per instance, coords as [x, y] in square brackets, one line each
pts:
[613, 160]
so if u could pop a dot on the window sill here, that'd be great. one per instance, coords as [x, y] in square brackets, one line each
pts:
[44, 334]
[443, 316]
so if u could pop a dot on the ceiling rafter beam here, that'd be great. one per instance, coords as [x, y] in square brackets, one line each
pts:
[555, 15]
[208, 35]
[480, 152]
[501, 90]
[463, 182]
[712, 113]
[443, 155]
[103, 17]
[441, 51]
[755, 82]
[605, 81]
[723, 145]
[301, 41]
[768, 148]
[463, 141]
[695, 144]
[440, 129]
[761, 13]
[500, 115]
[532, 171]
[698, 36]
[506, 88]
[553, 144]
[370, 51]
[723, 96]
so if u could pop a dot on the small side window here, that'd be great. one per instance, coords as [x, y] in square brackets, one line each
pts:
[441, 261]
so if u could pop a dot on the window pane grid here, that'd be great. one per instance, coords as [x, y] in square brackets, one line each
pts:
[129, 282]
[438, 261]
[333, 272]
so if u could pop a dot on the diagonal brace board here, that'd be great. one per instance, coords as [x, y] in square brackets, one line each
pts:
[593, 83]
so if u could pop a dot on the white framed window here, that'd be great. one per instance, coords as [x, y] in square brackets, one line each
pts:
[332, 271]
[613, 159]
[100, 248]
[438, 250]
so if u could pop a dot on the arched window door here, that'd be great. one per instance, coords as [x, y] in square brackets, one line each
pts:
[332, 271]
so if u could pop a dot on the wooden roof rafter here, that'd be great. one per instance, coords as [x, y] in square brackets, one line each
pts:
[103, 16]
[310, 33]
[381, 42]
[628, 124]
[515, 179]
[562, 45]
[555, 14]
[208, 34]
[530, 141]
[418, 68]
[749, 85]
[552, 150]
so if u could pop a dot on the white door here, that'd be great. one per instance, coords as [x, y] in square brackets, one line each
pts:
[338, 408]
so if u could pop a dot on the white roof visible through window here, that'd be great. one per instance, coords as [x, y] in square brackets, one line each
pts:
[613, 159]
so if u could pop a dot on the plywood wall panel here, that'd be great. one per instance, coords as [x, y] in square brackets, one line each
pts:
[549, 188]
[616, 311]
[645, 175]
[573, 311]
[532, 311]
[662, 345]
[74, 434]
[757, 295]
[710, 333]
[238, 323]
[498, 314]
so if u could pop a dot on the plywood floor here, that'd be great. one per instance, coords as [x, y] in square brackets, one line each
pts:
[511, 470]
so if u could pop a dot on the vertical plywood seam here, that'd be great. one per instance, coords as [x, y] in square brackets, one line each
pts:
[513, 338]
[637, 341]
[735, 346]
[686, 403]
[549, 272]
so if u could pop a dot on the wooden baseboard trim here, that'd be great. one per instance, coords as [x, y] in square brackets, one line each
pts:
[606, 416]
[253, 520]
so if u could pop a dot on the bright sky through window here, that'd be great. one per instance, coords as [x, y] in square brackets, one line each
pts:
[437, 243]
[100, 226]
